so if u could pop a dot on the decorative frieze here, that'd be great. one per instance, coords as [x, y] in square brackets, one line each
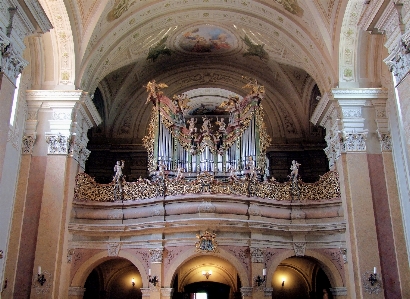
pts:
[354, 142]
[156, 255]
[257, 255]
[57, 144]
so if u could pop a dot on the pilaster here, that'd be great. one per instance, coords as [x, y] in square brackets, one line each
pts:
[54, 147]
[156, 258]
[357, 131]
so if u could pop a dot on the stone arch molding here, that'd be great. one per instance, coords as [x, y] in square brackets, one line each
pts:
[85, 269]
[192, 253]
[63, 63]
[349, 36]
[327, 265]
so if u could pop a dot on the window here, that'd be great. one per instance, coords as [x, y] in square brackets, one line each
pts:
[16, 93]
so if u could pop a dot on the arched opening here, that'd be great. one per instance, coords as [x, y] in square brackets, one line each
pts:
[112, 279]
[302, 278]
[206, 277]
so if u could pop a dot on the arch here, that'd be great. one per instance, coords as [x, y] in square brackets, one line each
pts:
[326, 264]
[60, 70]
[85, 269]
[191, 253]
[348, 44]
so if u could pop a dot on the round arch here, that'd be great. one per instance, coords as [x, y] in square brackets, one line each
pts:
[191, 253]
[85, 269]
[326, 264]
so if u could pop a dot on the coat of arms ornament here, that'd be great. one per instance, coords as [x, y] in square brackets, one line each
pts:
[206, 243]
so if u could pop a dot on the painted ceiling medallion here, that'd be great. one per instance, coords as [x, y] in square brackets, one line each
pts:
[206, 243]
[206, 39]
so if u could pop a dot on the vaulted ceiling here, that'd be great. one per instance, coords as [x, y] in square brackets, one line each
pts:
[204, 48]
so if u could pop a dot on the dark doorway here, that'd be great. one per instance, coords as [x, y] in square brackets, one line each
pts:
[214, 290]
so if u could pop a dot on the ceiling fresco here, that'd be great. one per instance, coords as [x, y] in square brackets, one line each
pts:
[204, 49]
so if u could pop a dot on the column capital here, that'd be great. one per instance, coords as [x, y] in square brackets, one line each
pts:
[341, 112]
[398, 60]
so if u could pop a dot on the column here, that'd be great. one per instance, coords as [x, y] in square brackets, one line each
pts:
[350, 138]
[76, 293]
[56, 141]
[166, 293]
[16, 25]
[397, 158]
[156, 273]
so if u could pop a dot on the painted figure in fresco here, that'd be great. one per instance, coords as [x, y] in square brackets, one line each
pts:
[294, 170]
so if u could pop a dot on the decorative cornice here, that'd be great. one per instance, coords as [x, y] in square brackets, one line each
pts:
[398, 61]
[39, 15]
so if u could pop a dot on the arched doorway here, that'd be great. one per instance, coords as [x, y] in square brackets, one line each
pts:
[300, 278]
[206, 277]
[112, 279]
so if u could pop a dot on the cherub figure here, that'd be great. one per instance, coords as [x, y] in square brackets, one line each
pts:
[153, 90]
[118, 171]
[250, 164]
[161, 170]
[191, 122]
[232, 173]
[206, 125]
[180, 175]
[222, 125]
[294, 170]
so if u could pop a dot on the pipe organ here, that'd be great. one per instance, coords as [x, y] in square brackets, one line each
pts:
[230, 142]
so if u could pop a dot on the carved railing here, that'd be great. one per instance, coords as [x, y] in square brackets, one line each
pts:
[326, 188]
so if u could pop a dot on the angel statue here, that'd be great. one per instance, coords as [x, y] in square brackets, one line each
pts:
[294, 171]
[191, 128]
[153, 90]
[118, 167]
[206, 125]
[221, 124]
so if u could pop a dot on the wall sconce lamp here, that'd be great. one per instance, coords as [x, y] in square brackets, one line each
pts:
[207, 274]
[283, 283]
[40, 277]
[1, 254]
[261, 279]
[154, 279]
[373, 277]
[133, 282]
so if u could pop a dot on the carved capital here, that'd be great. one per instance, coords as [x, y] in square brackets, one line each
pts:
[246, 291]
[76, 291]
[354, 142]
[28, 144]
